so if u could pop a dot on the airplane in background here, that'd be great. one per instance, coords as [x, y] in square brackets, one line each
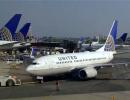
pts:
[83, 64]
[7, 33]
[122, 39]
[120, 42]
[21, 36]
[9, 39]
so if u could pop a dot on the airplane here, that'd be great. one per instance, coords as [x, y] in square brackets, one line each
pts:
[7, 33]
[122, 38]
[22, 34]
[8, 36]
[95, 45]
[84, 64]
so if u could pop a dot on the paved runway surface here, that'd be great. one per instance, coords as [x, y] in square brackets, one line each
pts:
[120, 95]
[66, 87]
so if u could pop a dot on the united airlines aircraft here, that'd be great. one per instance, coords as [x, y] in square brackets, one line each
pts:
[10, 39]
[21, 36]
[120, 42]
[85, 63]
[7, 33]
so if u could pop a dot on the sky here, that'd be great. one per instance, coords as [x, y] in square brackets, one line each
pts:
[68, 18]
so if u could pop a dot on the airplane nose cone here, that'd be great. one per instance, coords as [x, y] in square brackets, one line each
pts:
[29, 69]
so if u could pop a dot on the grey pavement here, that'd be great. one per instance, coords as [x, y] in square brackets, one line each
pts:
[125, 95]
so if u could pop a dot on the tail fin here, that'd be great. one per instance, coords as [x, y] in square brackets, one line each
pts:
[25, 29]
[8, 31]
[111, 39]
[80, 42]
[95, 39]
[123, 37]
[33, 53]
[82, 39]
[22, 34]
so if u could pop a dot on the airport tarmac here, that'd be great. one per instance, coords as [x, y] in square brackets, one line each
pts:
[67, 88]
[110, 81]
[121, 95]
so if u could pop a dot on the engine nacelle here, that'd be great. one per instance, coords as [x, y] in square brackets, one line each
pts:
[87, 73]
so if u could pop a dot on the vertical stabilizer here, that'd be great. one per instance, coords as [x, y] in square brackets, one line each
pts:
[111, 39]
[13, 23]
[25, 29]
[33, 52]
[22, 34]
[8, 31]
[123, 37]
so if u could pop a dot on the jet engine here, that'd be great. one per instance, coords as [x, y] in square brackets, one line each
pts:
[87, 73]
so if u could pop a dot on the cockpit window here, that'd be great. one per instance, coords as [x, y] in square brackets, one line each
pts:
[34, 63]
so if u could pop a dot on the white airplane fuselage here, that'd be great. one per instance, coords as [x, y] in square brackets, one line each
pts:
[61, 63]
[83, 64]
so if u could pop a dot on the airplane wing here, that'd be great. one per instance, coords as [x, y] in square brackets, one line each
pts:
[2, 42]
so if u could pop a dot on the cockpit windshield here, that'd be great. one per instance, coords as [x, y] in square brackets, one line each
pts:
[34, 63]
